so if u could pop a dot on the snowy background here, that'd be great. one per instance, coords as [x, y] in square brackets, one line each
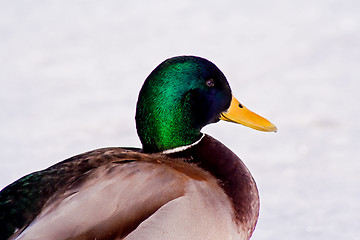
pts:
[70, 72]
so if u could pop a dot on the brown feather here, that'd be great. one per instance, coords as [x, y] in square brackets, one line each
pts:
[123, 191]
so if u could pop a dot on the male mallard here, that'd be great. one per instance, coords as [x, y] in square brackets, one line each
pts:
[182, 184]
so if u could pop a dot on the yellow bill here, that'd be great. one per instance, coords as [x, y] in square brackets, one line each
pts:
[237, 113]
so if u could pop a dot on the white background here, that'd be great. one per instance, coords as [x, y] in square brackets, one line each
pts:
[70, 73]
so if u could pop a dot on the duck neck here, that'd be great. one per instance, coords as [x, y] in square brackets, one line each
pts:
[168, 135]
[163, 125]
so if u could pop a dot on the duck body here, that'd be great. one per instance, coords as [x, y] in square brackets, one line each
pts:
[182, 184]
[94, 188]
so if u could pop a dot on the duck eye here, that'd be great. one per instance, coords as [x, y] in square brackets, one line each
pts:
[210, 82]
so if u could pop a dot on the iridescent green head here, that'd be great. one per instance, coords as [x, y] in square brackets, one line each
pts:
[180, 97]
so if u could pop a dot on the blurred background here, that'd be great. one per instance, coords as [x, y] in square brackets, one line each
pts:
[71, 72]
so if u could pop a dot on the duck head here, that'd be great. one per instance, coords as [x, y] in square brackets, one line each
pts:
[181, 96]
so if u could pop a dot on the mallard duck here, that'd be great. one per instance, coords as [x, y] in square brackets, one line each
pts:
[182, 184]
